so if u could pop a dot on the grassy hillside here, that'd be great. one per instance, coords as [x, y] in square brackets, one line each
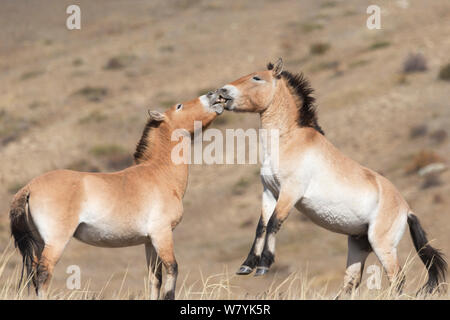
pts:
[79, 99]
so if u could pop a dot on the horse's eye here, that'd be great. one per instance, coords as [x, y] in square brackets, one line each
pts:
[257, 78]
[179, 106]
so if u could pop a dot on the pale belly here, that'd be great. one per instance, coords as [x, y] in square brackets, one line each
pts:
[109, 236]
[332, 206]
[336, 217]
[337, 205]
[117, 225]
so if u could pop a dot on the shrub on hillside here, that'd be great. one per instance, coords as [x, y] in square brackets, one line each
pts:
[444, 74]
[415, 62]
[319, 48]
[422, 159]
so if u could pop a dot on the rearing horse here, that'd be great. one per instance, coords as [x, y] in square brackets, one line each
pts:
[138, 205]
[334, 191]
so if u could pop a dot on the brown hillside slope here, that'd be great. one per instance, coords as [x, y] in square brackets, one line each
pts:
[78, 99]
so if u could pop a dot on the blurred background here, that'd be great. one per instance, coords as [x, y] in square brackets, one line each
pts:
[78, 99]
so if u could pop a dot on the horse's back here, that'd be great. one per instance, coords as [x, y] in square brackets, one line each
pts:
[56, 187]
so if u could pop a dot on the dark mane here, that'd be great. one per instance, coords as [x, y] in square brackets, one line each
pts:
[307, 110]
[142, 146]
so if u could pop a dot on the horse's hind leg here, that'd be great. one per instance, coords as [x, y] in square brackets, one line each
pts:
[154, 270]
[163, 244]
[54, 243]
[268, 205]
[388, 258]
[44, 270]
[358, 250]
[384, 239]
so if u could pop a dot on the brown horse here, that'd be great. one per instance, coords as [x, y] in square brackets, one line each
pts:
[332, 190]
[139, 205]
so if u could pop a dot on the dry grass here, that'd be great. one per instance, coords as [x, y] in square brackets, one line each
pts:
[240, 186]
[15, 186]
[296, 286]
[12, 127]
[83, 165]
[120, 62]
[94, 94]
[310, 27]
[379, 45]
[31, 74]
[103, 150]
[96, 116]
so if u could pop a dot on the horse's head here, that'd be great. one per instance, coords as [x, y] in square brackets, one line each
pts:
[253, 92]
[183, 115]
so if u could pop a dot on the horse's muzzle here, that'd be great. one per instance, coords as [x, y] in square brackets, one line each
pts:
[214, 104]
[224, 98]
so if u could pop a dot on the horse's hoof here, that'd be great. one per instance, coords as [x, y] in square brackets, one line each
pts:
[338, 296]
[244, 270]
[169, 295]
[260, 271]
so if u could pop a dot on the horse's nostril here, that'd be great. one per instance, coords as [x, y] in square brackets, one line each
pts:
[223, 91]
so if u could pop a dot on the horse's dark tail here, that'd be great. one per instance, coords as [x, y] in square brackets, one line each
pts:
[21, 230]
[432, 258]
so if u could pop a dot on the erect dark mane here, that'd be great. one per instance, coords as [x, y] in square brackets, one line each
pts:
[142, 146]
[307, 110]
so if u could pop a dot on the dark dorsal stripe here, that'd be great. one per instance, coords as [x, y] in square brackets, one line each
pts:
[307, 116]
[142, 146]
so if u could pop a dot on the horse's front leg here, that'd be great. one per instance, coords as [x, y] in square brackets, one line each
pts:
[268, 205]
[163, 244]
[154, 270]
[285, 203]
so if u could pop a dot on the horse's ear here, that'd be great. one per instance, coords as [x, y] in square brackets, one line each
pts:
[277, 68]
[156, 116]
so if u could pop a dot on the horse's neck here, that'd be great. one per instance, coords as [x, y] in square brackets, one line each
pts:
[157, 156]
[282, 113]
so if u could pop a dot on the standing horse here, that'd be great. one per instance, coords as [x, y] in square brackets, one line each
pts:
[332, 190]
[138, 205]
